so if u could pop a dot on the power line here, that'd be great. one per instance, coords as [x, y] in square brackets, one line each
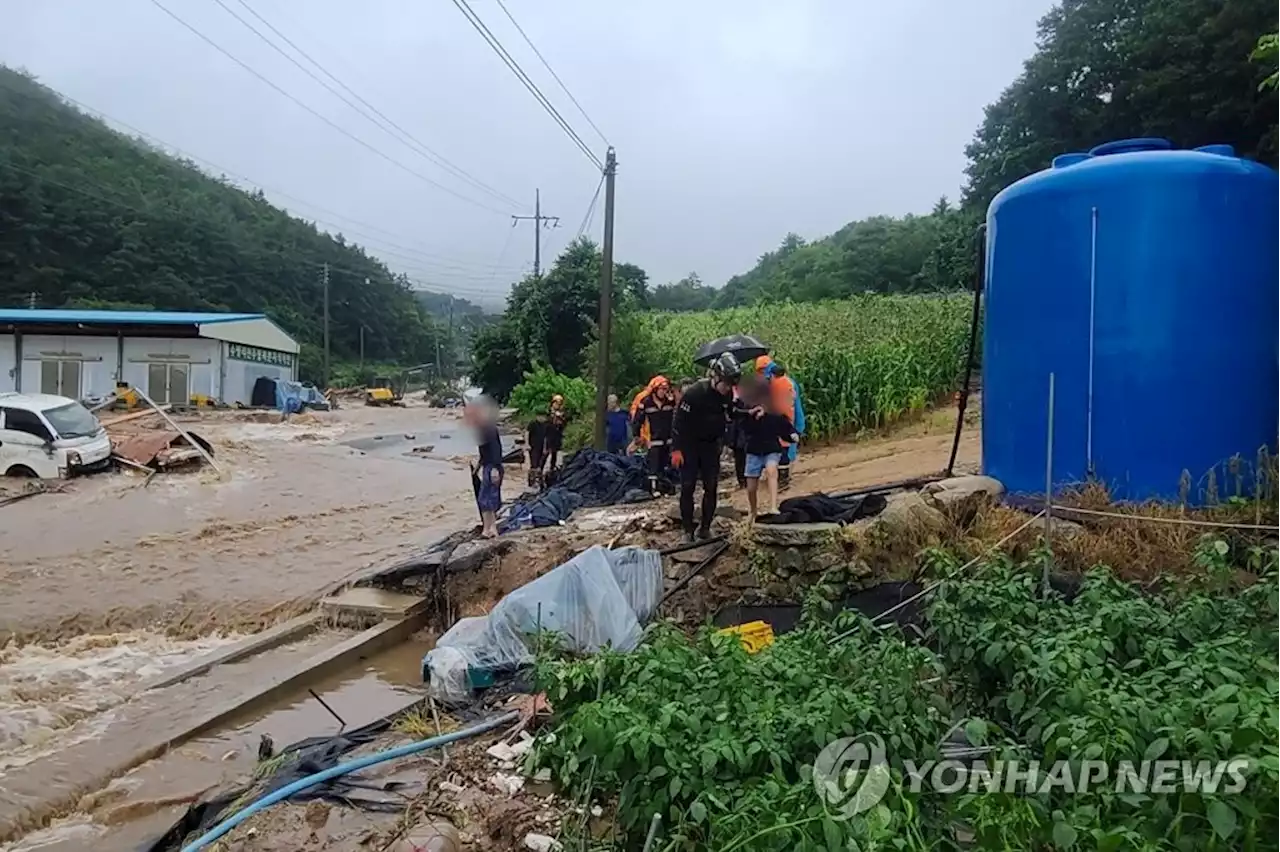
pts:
[591, 209]
[550, 70]
[339, 128]
[515, 68]
[446, 262]
[410, 141]
[233, 277]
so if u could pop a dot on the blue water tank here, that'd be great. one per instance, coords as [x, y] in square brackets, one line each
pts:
[1145, 280]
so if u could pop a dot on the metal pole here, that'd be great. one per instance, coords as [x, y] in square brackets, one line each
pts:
[1093, 284]
[537, 233]
[362, 347]
[326, 325]
[1048, 490]
[606, 301]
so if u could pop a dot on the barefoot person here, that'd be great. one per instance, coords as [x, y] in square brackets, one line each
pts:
[768, 432]
[488, 464]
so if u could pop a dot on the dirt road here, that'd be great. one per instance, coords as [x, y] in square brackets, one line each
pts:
[298, 510]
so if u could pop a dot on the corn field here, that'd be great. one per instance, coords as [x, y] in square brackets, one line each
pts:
[861, 362]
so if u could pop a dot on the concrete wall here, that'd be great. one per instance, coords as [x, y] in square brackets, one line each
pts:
[221, 370]
[201, 358]
[97, 357]
[240, 376]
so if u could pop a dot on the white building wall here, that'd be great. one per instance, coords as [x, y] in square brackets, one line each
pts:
[200, 356]
[8, 363]
[240, 376]
[97, 357]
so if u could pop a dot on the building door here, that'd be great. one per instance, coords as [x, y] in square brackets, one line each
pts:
[168, 383]
[61, 378]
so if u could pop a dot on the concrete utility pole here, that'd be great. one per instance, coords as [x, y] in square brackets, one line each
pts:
[325, 278]
[606, 300]
[537, 219]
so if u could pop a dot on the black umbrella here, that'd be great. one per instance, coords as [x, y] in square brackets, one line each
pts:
[743, 346]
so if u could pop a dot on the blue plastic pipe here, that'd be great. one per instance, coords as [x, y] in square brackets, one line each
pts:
[343, 769]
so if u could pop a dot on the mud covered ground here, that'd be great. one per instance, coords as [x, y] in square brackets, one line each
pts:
[297, 510]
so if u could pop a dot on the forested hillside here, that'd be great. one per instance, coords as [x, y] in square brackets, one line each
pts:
[914, 254]
[91, 218]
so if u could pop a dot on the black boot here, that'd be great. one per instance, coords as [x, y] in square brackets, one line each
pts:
[704, 533]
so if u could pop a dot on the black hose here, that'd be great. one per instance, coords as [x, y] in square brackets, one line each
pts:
[897, 485]
[979, 280]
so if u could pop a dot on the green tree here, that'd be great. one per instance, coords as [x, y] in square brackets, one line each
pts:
[550, 321]
[91, 217]
[1267, 51]
[1115, 69]
[687, 294]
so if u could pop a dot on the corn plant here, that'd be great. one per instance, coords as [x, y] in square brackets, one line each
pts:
[861, 362]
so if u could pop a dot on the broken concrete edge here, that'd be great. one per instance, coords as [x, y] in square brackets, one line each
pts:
[291, 630]
[26, 818]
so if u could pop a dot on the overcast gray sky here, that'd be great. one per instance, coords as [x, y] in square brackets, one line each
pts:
[735, 121]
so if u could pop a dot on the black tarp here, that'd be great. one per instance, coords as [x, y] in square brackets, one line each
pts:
[819, 508]
[264, 393]
[590, 478]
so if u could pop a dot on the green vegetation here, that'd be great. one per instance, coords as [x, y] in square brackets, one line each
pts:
[861, 362]
[721, 744]
[91, 218]
[1117, 69]
[914, 254]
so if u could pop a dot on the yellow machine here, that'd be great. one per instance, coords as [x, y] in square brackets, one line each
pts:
[382, 392]
[754, 635]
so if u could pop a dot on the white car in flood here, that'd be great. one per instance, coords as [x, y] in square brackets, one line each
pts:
[49, 436]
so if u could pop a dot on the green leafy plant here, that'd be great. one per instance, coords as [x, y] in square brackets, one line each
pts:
[534, 394]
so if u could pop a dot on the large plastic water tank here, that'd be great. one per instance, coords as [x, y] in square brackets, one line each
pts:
[1145, 280]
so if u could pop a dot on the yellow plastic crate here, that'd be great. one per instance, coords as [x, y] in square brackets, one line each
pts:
[754, 635]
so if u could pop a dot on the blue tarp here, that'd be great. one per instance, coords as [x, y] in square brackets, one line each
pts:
[292, 397]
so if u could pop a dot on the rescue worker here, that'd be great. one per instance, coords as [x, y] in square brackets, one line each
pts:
[698, 435]
[653, 418]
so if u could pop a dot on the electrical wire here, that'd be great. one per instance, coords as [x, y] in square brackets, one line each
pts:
[550, 70]
[412, 143]
[515, 68]
[591, 210]
[243, 277]
[334, 125]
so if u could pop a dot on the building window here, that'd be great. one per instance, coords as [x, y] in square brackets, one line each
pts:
[168, 383]
[61, 378]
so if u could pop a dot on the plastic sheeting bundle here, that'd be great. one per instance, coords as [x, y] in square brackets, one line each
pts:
[598, 598]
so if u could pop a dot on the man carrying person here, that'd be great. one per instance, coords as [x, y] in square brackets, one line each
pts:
[654, 416]
[697, 433]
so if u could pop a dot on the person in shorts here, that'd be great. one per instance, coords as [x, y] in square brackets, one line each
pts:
[487, 467]
[768, 433]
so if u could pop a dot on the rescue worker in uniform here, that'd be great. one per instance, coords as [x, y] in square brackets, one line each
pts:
[653, 418]
[698, 435]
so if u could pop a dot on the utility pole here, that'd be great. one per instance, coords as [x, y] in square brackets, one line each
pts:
[31, 300]
[361, 347]
[537, 219]
[453, 349]
[325, 277]
[606, 300]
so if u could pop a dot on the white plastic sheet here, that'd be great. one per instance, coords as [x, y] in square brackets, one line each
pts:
[598, 598]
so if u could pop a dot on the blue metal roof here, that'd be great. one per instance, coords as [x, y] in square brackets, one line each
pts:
[38, 315]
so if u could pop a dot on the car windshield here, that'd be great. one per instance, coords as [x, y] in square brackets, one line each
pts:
[72, 421]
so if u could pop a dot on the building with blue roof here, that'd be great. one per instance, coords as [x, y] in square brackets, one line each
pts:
[174, 356]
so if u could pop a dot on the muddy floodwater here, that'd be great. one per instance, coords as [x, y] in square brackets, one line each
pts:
[301, 506]
[142, 804]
